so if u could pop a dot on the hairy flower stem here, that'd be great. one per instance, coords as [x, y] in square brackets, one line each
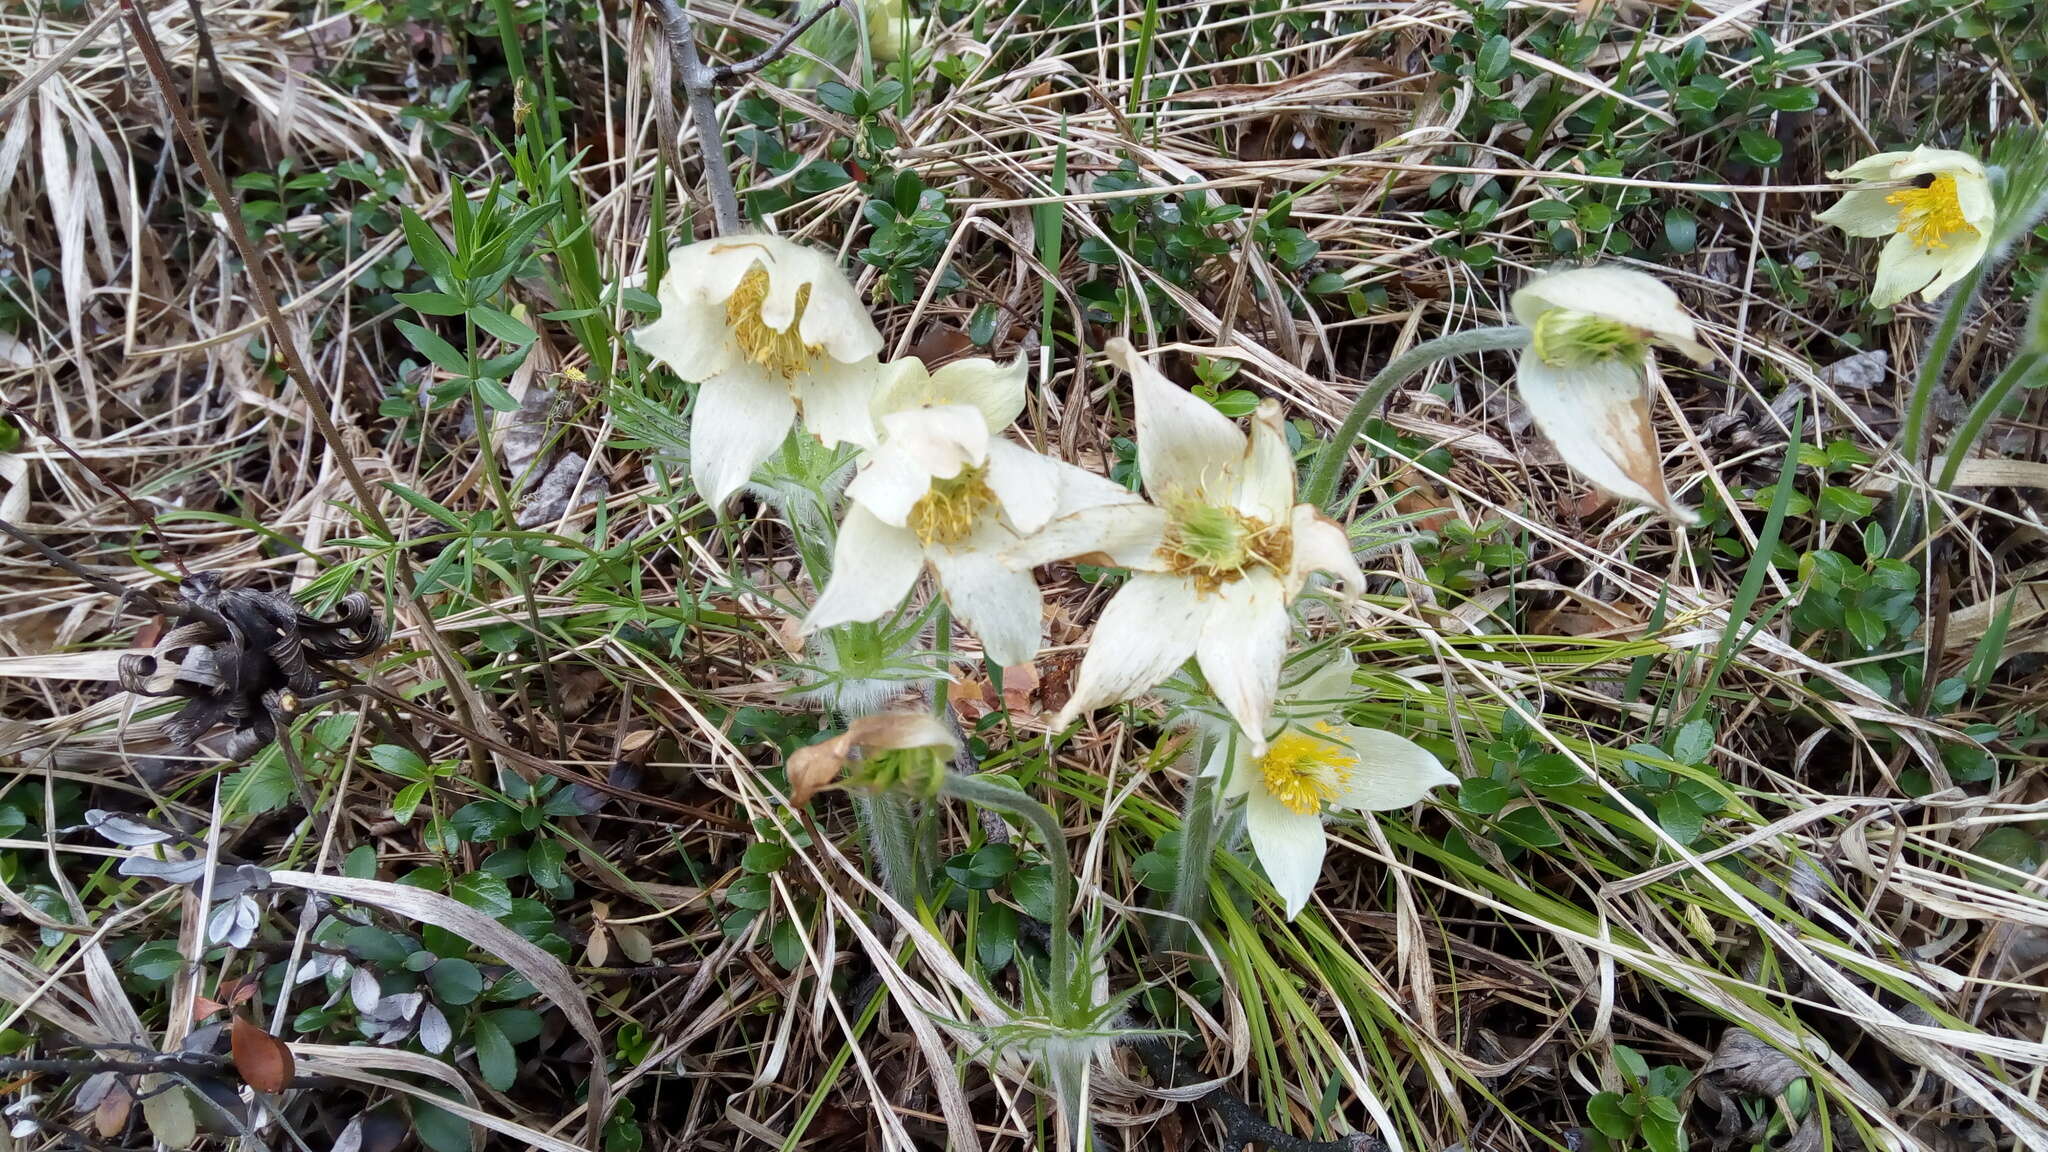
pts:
[1190, 905]
[1322, 478]
[2025, 370]
[1015, 804]
[1913, 434]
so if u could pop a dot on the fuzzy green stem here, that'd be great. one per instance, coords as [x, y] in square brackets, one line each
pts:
[1322, 478]
[1913, 434]
[2024, 368]
[1015, 804]
[888, 823]
[1191, 868]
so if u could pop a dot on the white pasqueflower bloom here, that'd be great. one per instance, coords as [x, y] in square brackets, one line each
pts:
[1584, 377]
[1939, 229]
[1219, 553]
[767, 327]
[944, 490]
[1315, 762]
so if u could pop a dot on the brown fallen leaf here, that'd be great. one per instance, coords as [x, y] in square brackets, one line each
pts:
[110, 1115]
[264, 1061]
[1020, 686]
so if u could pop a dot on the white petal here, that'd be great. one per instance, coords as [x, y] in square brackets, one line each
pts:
[1878, 167]
[1327, 685]
[1243, 641]
[1864, 213]
[1025, 483]
[740, 419]
[1231, 751]
[1925, 161]
[998, 603]
[941, 440]
[1184, 444]
[1963, 256]
[837, 400]
[890, 483]
[835, 317]
[1321, 545]
[1080, 488]
[1147, 630]
[1392, 772]
[873, 567]
[990, 386]
[1265, 481]
[707, 272]
[690, 337]
[1127, 535]
[1599, 419]
[1904, 268]
[1633, 298]
[1289, 845]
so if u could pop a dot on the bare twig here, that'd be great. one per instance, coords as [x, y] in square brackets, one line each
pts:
[727, 73]
[140, 510]
[112, 588]
[700, 81]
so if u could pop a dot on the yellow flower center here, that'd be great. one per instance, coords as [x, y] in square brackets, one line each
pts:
[1933, 215]
[1568, 338]
[1215, 546]
[946, 513]
[1305, 768]
[781, 351]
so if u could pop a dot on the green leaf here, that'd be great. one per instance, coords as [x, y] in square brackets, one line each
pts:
[1527, 826]
[1032, 889]
[1681, 230]
[1761, 148]
[361, 862]
[1494, 57]
[432, 303]
[427, 250]
[439, 1129]
[764, 856]
[375, 946]
[518, 1024]
[1680, 817]
[1839, 504]
[995, 936]
[1552, 210]
[1867, 627]
[841, 99]
[1792, 99]
[455, 981]
[484, 820]
[155, 961]
[399, 761]
[485, 893]
[544, 863]
[503, 325]
[494, 394]
[408, 799]
[443, 354]
[1483, 795]
[1604, 1110]
[494, 1057]
[1695, 740]
[787, 944]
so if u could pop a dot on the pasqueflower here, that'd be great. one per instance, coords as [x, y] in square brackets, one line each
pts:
[1583, 376]
[1314, 763]
[944, 490]
[769, 328]
[1940, 228]
[1219, 553]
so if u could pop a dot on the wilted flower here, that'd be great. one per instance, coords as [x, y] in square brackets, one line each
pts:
[238, 647]
[890, 751]
[1583, 376]
[944, 490]
[768, 327]
[1940, 228]
[1220, 553]
[1315, 762]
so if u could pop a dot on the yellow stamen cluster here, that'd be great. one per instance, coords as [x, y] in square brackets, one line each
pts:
[1215, 546]
[946, 513]
[1305, 768]
[1932, 215]
[781, 351]
[1567, 338]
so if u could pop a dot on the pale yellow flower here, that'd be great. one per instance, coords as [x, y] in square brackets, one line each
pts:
[769, 328]
[1940, 228]
[1584, 375]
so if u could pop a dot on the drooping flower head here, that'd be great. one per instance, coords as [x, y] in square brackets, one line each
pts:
[1583, 376]
[943, 489]
[1315, 763]
[1220, 553]
[769, 328]
[1940, 226]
